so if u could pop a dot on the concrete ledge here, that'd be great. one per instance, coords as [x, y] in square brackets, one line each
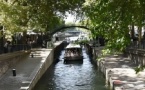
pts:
[12, 55]
[9, 59]
[120, 75]
[28, 69]
[35, 76]
[46, 60]
[119, 72]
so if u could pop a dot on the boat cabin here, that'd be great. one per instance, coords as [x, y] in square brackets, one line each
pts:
[73, 52]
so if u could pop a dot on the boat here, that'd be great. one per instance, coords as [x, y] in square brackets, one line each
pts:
[73, 52]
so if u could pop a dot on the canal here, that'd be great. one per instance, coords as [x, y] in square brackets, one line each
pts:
[72, 76]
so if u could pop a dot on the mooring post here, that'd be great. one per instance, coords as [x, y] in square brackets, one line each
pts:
[32, 55]
[14, 72]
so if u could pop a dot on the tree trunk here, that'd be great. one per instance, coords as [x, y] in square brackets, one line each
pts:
[140, 33]
[132, 31]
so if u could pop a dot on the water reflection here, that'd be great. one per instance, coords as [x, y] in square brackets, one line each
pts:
[72, 76]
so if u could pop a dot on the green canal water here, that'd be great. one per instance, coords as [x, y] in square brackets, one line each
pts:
[72, 76]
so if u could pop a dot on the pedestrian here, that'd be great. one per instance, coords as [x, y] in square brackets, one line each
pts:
[29, 42]
[43, 44]
[9, 46]
[6, 47]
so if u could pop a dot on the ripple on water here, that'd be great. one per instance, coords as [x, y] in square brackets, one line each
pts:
[74, 76]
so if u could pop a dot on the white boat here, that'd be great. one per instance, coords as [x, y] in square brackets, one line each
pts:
[73, 52]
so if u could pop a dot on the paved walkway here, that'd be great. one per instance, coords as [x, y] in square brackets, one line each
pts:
[25, 70]
[120, 73]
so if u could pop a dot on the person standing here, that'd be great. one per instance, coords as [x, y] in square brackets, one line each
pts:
[6, 47]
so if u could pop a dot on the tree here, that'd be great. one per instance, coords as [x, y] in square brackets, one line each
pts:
[112, 18]
[20, 15]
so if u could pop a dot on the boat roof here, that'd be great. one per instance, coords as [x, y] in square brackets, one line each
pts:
[73, 46]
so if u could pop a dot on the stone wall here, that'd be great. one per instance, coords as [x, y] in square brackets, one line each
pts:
[57, 50]
[41, 71]
[52, 57]
[10, 59]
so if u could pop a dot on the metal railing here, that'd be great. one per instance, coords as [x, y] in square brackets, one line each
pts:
[137, 45]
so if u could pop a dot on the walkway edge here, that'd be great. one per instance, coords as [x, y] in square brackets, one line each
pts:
[29, 85]
[118, 71]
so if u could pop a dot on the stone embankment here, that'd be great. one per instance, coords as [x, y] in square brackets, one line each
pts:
[29, 68]
[9, 59]
[119, 72]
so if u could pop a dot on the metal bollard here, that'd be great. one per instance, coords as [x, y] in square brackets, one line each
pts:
[14, 72]
[32, 55]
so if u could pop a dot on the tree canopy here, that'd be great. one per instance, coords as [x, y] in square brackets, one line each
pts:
[108, 18]
[112, 18]
[20, 15]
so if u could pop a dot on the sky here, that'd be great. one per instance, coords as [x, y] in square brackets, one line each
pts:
[70, 18]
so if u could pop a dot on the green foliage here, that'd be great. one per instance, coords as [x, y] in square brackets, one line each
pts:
[139, 68]
[82, 42]
[112, 18]
[21, 15]
[107, 18]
